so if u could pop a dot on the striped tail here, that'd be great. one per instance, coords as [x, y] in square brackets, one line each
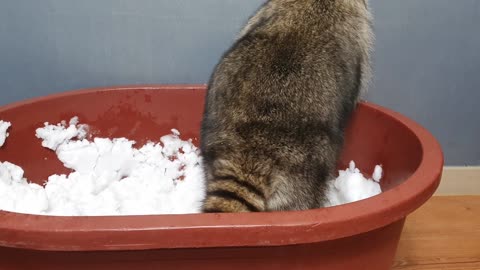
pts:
[228, 193]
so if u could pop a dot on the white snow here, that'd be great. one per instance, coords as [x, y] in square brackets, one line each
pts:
[18, 195]
[55, 135]
[112, 177]
[3, 131]
[377, 174]
[351, 186]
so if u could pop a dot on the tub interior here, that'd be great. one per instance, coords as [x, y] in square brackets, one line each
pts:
[147, 114]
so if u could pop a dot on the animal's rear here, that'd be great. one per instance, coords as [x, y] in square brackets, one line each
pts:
[230, 190]
[278, 103]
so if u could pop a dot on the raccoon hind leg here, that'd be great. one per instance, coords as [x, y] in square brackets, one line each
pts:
[229, 190]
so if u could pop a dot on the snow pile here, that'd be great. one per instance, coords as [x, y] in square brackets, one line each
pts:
[110, 177]
[55, 135]
[351, 186]
[3, 131]
[16, 194]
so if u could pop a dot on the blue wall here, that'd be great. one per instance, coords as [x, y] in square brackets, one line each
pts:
[427, 59]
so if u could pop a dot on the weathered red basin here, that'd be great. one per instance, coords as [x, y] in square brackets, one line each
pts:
[360, 235]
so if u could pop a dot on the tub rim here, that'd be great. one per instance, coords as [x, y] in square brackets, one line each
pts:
[231, 230]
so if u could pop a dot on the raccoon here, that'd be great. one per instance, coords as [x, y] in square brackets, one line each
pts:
[278, 102]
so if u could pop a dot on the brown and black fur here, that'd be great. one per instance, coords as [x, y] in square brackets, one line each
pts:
[278, 102]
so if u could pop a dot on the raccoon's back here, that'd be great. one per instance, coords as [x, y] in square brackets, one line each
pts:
[280, 99]
[279, 71]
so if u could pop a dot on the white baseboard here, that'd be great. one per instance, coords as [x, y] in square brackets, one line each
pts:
[460, 181]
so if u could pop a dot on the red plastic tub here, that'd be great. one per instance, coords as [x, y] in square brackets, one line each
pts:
[360, 235]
